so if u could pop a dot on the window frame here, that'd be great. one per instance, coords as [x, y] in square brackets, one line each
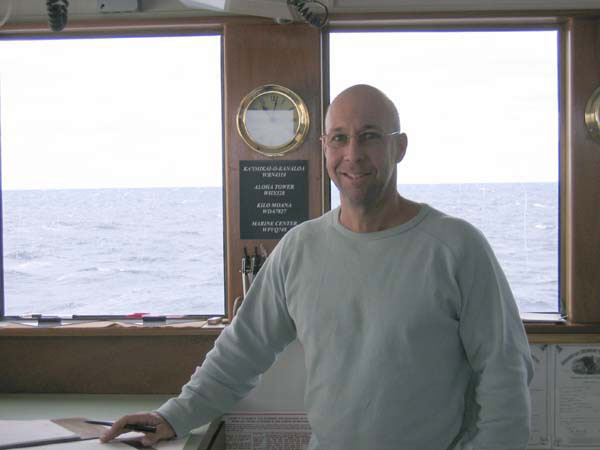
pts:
[29, 352]
[579, 44]
[376, 23]
[115, 31]
[447, 26]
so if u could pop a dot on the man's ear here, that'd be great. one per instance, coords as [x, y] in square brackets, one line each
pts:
[324, 150]
[402, 143]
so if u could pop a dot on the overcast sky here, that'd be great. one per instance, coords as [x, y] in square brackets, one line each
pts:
[93, 113]
[138, 112]
[477, 107]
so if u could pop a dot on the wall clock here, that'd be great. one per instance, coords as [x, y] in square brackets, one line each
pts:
[592, 114]
[272, 120]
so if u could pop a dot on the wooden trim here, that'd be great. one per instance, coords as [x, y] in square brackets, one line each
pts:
[567, 188]
[100, 364]
[581, 175]
[256, 55]
[564, 338]
[188, 20]
[458, 19]
[157, 360]
[103, 332]
[563, 205]
[174, 25]
[561, 329]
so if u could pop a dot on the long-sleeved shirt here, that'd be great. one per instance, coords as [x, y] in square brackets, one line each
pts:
[411, 335]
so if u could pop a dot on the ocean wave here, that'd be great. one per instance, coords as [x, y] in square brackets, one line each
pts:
[94, 269]
[134, 271]
[64, 223]
[22, 255]
[106, 226]
[60, 225]
[145, 259]
[31, 265]
[96, 273]
[82, 274]
[190, 233]
[18, 274]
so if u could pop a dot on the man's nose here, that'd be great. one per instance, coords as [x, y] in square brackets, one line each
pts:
[354, 150]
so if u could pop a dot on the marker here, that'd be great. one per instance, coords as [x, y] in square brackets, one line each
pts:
[129, 426]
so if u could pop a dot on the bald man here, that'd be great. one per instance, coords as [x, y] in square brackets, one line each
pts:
[411, 335]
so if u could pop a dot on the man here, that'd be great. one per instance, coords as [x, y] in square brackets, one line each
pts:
[411, 335]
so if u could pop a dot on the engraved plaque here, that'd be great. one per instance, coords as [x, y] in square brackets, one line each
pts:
[273, 197]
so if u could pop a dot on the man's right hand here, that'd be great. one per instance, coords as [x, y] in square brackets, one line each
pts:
[163, 429]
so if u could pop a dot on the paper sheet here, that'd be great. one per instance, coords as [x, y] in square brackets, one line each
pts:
[577, 396]
[266, 431]
[16, 431]
[81, 445]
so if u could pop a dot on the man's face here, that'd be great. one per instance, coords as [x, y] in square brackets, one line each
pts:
[364, 166]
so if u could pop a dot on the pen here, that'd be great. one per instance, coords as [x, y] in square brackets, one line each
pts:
[130, 426]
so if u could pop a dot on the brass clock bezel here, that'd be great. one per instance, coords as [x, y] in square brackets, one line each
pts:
[301, 129]
[592, 115]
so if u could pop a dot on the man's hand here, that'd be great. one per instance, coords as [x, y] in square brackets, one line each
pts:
[163, 429]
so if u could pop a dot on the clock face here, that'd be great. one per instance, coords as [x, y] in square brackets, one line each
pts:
[272, 120]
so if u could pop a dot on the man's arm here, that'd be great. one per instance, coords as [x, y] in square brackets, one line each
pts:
[243, 351]
[497, 349]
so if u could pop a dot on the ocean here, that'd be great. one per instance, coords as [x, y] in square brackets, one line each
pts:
[520, 221]
[160, 250]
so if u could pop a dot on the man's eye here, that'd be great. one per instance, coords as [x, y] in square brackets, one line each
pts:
[369, 136]
[339, 138]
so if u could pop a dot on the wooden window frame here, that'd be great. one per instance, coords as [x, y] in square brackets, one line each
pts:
[60, 361]
[147, 29]
[579, 155]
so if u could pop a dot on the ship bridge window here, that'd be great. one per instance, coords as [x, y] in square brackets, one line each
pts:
[481, 112]
[112, 175]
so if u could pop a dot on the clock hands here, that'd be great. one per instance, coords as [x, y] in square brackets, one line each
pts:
[267, 110]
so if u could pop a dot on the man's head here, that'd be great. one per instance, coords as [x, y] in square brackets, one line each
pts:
[362, 146]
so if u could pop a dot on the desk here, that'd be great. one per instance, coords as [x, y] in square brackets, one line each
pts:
[281, 390]
[52, 406]
[100, 407]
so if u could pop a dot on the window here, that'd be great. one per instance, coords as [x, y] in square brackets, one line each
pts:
[481, 113]
[112, 176]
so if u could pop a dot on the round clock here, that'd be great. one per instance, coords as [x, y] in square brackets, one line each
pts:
[592, 114]
[272, 120]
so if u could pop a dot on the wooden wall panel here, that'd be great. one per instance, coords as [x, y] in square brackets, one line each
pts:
[289, 55]
[582, 175]
[100, 364]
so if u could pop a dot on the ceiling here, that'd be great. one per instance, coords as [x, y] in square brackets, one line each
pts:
[35, 10]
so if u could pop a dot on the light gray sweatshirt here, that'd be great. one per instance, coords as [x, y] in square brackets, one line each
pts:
[411, 335]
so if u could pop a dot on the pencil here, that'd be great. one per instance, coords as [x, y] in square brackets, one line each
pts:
[129, 426]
